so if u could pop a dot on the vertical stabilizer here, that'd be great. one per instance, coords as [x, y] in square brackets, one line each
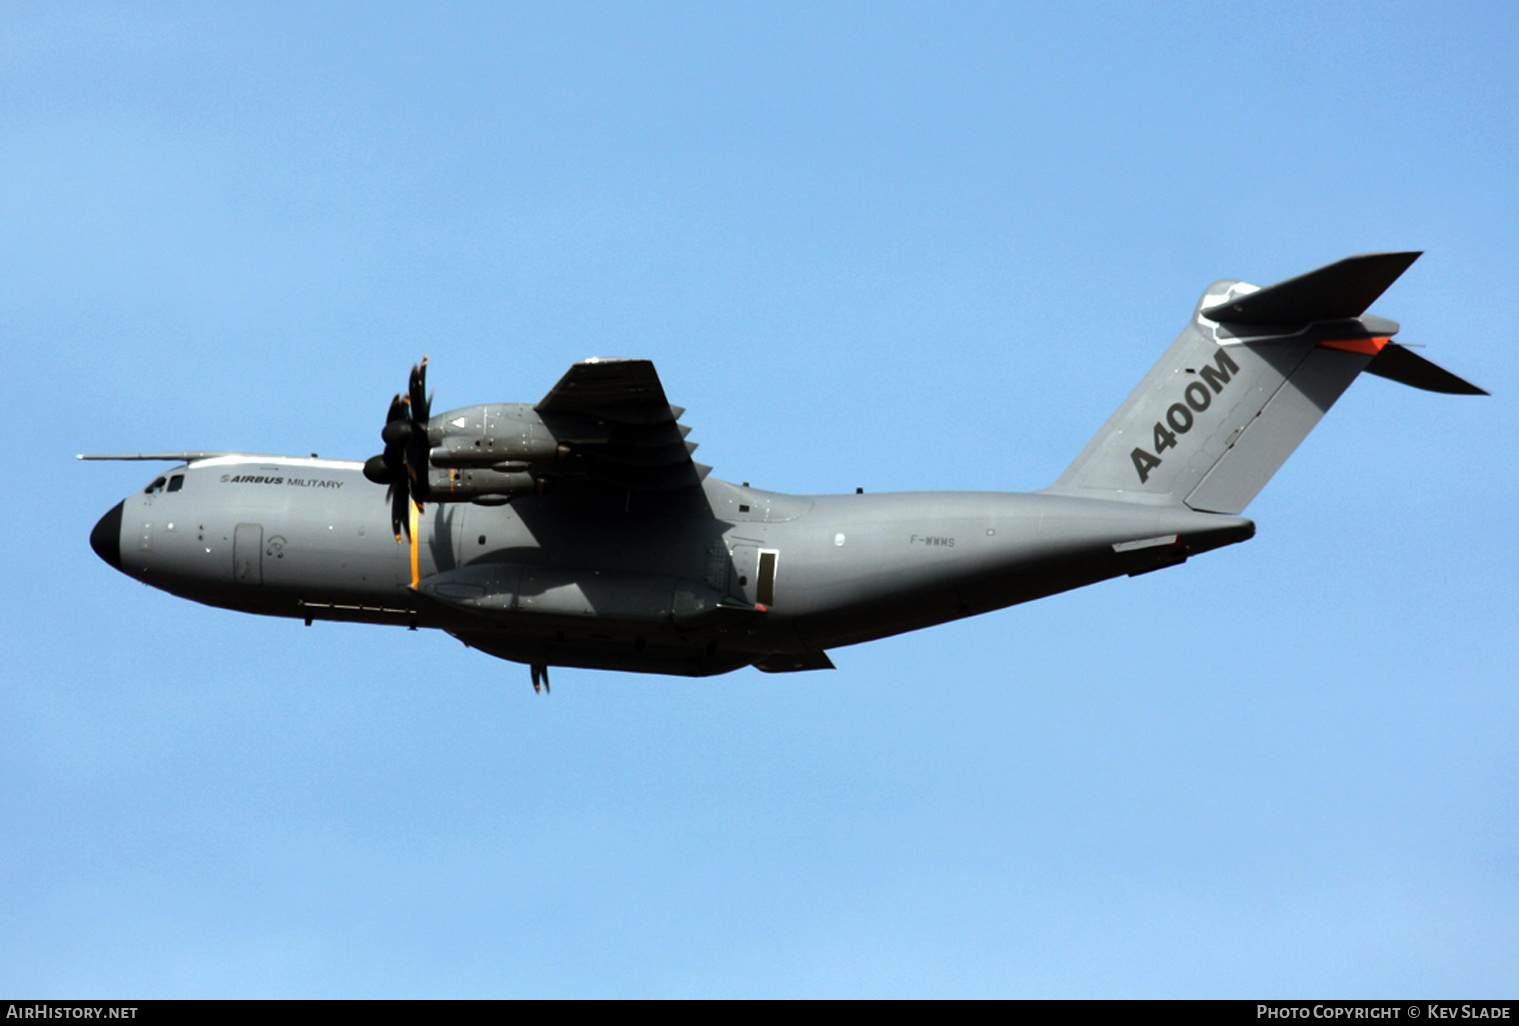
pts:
[1243, 385]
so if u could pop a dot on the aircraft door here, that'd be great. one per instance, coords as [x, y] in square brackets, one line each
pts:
[764, 583]
[754, 572]
[248, 554]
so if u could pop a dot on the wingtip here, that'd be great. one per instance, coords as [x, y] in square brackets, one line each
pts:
[1411, 254]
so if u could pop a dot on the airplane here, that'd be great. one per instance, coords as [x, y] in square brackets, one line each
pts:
[579, 532]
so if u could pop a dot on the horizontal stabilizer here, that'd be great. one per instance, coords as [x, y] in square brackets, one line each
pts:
[1340, 291]
[1395, 363]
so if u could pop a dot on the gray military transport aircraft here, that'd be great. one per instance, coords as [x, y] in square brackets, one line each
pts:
[579, 532]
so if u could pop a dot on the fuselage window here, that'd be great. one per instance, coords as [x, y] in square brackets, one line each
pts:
[176, 482]
[154, 488]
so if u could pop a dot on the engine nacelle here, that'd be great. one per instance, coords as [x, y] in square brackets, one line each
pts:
[477, 454]
[468, 484]
[491, 436]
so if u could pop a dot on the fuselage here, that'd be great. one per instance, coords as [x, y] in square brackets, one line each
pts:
[695, 585]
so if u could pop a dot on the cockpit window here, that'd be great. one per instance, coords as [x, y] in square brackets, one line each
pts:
[176, 482]
[154, 488]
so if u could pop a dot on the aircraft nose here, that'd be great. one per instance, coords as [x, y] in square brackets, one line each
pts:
[106, 538]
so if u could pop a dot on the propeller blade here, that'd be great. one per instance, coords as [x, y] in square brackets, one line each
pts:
[420, 406]
[399, 519]
[397, 409]
[416, 466]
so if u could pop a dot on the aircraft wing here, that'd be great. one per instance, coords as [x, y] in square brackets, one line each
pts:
[620, 428]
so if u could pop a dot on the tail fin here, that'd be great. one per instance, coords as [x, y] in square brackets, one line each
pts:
[1244, 384]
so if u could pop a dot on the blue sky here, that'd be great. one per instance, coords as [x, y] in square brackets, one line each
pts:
[897, 246]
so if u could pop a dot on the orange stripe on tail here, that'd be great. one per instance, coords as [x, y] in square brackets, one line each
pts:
[1364, 346]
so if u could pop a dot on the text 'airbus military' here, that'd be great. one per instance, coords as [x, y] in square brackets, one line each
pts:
[579, 531]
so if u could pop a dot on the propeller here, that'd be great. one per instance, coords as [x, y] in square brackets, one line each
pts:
[403, 464]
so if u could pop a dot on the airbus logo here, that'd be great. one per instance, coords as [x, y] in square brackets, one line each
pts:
[294, 482]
